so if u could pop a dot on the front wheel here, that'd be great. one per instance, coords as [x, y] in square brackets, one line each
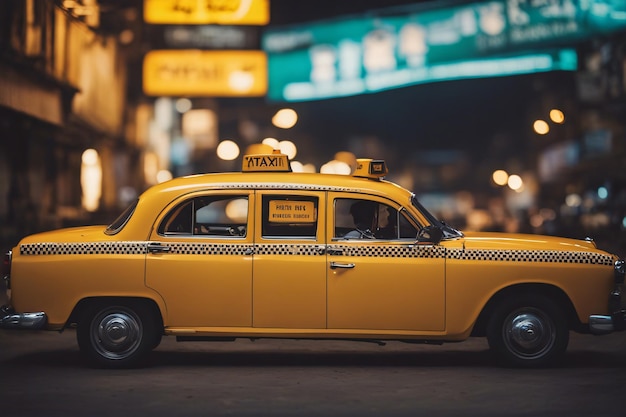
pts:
[528, 331]
[116, 336]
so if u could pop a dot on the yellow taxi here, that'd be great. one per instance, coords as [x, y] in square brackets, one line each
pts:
[271, 253]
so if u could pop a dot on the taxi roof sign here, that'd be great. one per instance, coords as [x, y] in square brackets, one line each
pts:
[274, 162]
[370, 168]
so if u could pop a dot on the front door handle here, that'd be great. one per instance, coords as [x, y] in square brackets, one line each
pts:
[335, 265]
[156, 247]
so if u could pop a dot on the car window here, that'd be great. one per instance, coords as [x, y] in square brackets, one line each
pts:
[405, 227]
[368, 219]
[208, 216]
[289, 216]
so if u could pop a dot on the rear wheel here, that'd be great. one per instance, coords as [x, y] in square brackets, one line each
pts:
[117, 336]
[528, 331]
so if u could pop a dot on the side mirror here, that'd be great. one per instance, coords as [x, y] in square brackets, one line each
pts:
[430, 234]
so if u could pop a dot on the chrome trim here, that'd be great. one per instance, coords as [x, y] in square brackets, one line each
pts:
[6, 273]
[335, 265]
[12, 320]
[600, 324]
[620, 271]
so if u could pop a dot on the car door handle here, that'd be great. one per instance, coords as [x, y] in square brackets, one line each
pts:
[335, 265]
[156, 247]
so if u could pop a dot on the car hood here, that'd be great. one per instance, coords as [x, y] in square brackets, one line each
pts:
[504, 241]
[73, 234]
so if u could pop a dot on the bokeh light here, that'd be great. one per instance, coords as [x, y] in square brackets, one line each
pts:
[91, 179]
[288, 148]
[573, 200]
[285, 118]
[297, 166]
[163, 175]
[336, 167]
[515, 182]
[271, 142]
[500, 177]
[227, 150]
[90, 157]
[541, 127]
[183, 105]
[557, 116]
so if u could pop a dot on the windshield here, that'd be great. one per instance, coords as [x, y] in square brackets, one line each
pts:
[448, 231]
[122, 219]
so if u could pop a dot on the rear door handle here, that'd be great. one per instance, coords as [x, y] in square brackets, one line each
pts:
[335, 265]
[156, 247]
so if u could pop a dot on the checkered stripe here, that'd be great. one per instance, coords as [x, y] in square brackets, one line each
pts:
[295, 249]
[376, 251]
[82, 248]
[390, 251]
[545, 256]
[209, 249]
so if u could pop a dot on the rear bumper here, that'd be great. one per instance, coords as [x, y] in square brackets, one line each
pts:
[9, 319]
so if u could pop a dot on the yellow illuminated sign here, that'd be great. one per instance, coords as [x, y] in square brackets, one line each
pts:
[272, 163]
[370, 168]
[205, 73]
[282, 211]
[202, 12]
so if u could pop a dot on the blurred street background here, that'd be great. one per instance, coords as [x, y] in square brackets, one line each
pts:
[500, 115]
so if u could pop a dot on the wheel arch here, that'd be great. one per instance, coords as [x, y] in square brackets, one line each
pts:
[87, 303]
[553, 292]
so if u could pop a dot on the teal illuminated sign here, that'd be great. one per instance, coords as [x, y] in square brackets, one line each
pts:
[416, 45]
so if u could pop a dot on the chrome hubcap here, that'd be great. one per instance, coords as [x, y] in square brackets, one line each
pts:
[116, 334]
[529, 333]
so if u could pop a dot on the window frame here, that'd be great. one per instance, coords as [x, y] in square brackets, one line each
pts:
[399, 209]
[189, 199]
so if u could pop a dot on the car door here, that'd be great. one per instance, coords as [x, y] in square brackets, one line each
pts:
[380, 279]
[289, 269]
[200, 259]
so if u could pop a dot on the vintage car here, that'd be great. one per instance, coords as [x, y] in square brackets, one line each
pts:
[269, 253]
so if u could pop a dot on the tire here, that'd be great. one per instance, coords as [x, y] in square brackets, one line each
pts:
[528, 331]
[117, 335]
